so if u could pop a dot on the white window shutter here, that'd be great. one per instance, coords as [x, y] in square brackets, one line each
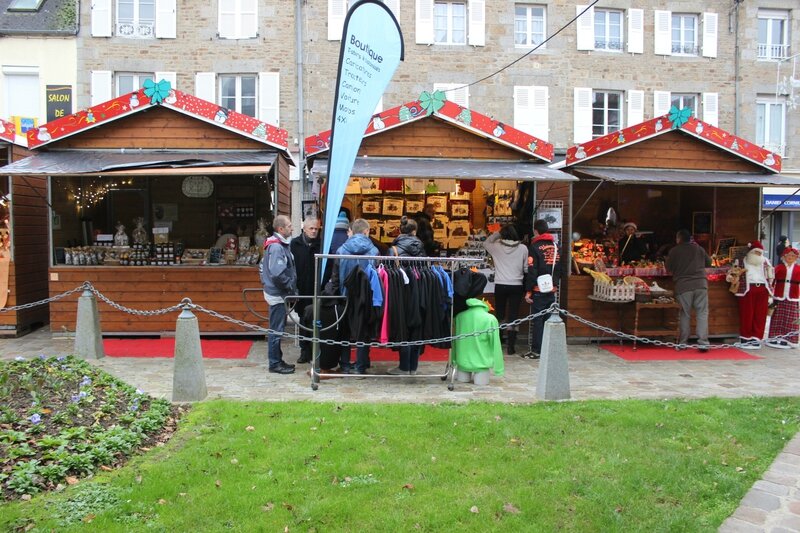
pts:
[635, 107]
[337, 11]
[424, 26]
[663, 33]
[101, 86]
[101, 18]
[166, 19]
[523, 108]
[460, 96]
[205, 86]
[710, 34]
[636, 31]
[582, 120]
[711, 108]
[248, 19]
[585, 28]
[540, 118]
[662, 101]
[394, 6]
[227, 19]
[477, 22]
[269, 97]
[171, 77]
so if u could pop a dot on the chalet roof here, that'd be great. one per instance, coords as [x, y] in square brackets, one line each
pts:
[450, 112]
[676, 120]
[54, 17]
[158, 94]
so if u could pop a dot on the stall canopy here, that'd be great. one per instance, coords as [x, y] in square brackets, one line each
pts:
[690, 146]
[436, 107]
[432, 168]
[65, 163]
[685, 177]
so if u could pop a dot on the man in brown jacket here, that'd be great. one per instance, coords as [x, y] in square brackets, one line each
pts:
[687, 261]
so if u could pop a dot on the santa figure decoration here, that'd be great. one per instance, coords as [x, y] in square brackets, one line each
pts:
[752, 284]
[786, 294]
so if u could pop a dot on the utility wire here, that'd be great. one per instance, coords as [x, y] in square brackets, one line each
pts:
[529, 52]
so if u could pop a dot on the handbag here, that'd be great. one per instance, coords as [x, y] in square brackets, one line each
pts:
[545, 281]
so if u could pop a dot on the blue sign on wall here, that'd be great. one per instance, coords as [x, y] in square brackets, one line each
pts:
[771, 201]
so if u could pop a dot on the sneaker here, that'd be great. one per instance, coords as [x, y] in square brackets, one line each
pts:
[412, 372]
[398, 372]
[702, 347]
[281, 370]
[294, 318]
[751, 345]
[287, 365]
[781, 345]
[304, 359]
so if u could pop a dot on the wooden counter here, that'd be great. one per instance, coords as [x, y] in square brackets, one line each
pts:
[723, 311]
[217, 288]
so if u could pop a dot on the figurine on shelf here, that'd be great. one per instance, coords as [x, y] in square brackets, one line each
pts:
[139, 233]
[261, 233]
[120, 238]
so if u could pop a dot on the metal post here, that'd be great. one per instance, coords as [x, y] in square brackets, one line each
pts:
[554, 365]
[189, 376]
[88, 337]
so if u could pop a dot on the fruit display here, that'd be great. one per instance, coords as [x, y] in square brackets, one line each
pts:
[587, 252]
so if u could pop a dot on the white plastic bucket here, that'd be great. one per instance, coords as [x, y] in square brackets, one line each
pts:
[463, 377]
[481, 378]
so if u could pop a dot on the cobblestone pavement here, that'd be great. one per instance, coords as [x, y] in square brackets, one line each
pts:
[772, 505]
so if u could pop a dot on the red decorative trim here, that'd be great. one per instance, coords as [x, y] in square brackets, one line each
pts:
[181, 102]
[7, 130]
[660, 125]
[453, 113]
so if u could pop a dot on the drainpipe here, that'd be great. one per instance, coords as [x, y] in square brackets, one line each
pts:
[299, 20]
[736, 66]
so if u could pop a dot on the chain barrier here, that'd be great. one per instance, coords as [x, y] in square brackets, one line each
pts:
[553, 309]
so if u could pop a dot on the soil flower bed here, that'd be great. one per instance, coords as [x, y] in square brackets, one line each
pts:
[62, 419]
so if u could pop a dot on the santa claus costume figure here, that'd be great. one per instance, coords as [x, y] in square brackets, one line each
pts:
[783, 331]
[754, 289]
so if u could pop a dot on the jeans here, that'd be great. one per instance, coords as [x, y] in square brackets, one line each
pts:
[697, 300]
[362, 359]
[277, 322]
[409, 357]
[540, 303]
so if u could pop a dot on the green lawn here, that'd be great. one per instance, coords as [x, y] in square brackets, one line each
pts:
[296, 466]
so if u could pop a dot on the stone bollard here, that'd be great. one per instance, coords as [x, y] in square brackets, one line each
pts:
[554, 365]
[189, 377]
[88, 337]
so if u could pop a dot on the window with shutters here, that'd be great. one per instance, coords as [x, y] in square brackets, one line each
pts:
[136, 18]
[681, 100]
[608, 29]
[450, 22]
[529, 25]
[606, 112]
[773, 34]
[238, 92]
[770, 124]
[127, 82]
[684, 34]
[21, 93]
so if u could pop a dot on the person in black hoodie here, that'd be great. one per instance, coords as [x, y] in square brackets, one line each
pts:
[424, 220]
[407, 244]
[303, 248]
[543, 258]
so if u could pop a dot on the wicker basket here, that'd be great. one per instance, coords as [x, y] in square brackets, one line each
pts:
[612, 292]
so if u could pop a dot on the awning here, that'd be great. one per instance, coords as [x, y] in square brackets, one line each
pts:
[685, 177]
[431, 168]
[138, 163]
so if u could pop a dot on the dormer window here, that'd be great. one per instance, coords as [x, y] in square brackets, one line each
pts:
[25, 5]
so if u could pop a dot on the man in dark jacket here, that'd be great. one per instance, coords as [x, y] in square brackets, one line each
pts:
[543, 258]
[303, 248]
[279, 280]
[687, 261]
[424, 220]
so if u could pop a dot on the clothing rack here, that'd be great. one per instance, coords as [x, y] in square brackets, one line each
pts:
[449, 371]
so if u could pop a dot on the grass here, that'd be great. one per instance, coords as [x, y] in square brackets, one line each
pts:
[296, 466]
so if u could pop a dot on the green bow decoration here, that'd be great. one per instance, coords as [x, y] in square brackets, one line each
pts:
[679, 117]
[432, 102]
[156, 91]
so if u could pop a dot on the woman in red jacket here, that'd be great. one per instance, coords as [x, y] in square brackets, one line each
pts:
[783, 327]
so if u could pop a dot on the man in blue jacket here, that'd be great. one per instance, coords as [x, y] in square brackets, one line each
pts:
[279, 280]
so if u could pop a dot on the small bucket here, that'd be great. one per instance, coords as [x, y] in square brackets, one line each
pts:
[463, 377]
[481, 378]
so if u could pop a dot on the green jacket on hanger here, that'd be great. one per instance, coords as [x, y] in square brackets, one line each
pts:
[479, 352]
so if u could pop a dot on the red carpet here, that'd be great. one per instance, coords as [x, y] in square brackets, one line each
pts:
[212, 349]
[387, 354]
[663, 353]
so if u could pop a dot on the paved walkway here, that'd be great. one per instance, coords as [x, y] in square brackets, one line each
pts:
[772, 505]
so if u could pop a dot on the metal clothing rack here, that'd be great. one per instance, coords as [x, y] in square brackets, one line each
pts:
[449, 371]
